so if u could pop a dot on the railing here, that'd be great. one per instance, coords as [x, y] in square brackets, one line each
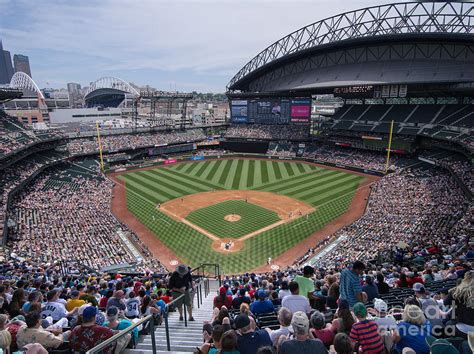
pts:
[202, 271]
[125, 331]
[165, 316]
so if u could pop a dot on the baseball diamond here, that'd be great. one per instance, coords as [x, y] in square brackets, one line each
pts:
[159, 199]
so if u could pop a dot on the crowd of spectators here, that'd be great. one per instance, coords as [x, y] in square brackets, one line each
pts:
[344, 309]
[350, 157]
[461, 168]
[257, 131]
[42, 308]
[112, 143]
[15, 136]
[423, 209]
[65, 210]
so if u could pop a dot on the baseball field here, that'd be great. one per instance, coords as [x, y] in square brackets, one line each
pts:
[236, 212]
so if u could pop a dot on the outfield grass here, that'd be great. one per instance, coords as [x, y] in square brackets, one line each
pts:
[253, 218]
[330, 192]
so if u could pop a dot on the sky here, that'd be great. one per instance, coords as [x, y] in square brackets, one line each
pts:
[192, 45]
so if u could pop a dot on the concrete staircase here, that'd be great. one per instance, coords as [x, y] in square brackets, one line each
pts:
[182, 339]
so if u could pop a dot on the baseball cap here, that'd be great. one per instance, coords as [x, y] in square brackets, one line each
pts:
[241, 321]
[112, 311]
[222, 291]
[261, 294]
[360, 310]
[380, 305]
[74, 293]
[419, 288]
[182, 269]
[300, 320]
[441, 346]
[89, 313]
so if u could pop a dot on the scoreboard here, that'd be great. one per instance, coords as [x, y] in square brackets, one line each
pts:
[271, 110]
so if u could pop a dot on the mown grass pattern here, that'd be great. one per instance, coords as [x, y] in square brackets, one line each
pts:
[253, 218]
[329, 191]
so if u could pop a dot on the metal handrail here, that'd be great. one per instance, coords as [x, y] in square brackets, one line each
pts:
[125, 331]
[202, 267]
[165, 316]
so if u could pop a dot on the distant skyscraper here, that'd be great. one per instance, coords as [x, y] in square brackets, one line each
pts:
[22, 63]
[8, 62]
[4, 77]
[73, 88]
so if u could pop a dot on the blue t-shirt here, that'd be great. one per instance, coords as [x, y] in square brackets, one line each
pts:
[122, 325]
[414, 336]
[250, 342]
[349, 286]
[264, 306]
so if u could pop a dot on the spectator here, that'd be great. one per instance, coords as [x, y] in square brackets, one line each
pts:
[382, 286]
[262, 304]
[365, 332]
[284, 290]
[306, 283]
[249, 339]
[181, 283]
[302, 342]
[319, 329]
[17, 302]
[342, 344]
[229, 343]
[32, 332]
[385, 322]
[55, 307]
[429, 306]
[117, 300]
[296, 302]
[462, 299]
[74, 301]
[413, 331]
[344, 320]
[349, 284]
[240, 298]
[132, 306]
[5, 336]
[223, 299]
[284, 319]
[113, 322]
[87, 335]
[370, 288]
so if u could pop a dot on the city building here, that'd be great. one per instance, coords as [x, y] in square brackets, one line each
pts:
[8, 62]
[5, 66]
[22, 63]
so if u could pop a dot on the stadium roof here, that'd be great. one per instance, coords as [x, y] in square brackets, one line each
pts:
[414, 22]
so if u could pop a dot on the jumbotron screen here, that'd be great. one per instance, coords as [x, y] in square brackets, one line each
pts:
[271, 110]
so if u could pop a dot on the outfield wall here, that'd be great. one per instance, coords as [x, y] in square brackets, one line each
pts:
[260, 156]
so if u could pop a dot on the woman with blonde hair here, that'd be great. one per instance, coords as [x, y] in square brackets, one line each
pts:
[412, 331]
[461, 298]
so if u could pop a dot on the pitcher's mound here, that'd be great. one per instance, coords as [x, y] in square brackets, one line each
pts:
[232, 217]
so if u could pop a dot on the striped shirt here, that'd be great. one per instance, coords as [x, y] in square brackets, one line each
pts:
[367, 335]
[349, 286]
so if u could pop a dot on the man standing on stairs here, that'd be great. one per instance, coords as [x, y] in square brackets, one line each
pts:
[181, 283]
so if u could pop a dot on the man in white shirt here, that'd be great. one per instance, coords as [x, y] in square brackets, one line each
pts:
[284, 318]
[132, 306]
[296, 302]
[54, 307]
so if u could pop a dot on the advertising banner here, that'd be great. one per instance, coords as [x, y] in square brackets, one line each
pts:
[300, 110]
[239, 111]
[170, 161]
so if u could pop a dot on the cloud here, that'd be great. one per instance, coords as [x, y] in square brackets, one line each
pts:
[208, 41]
